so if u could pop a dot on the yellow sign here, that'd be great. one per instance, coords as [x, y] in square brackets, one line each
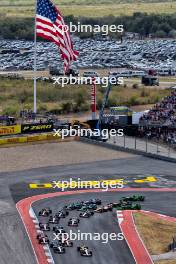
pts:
[10, 130]
[147, 179]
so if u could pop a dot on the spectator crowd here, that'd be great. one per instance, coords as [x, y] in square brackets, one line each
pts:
[160, 121]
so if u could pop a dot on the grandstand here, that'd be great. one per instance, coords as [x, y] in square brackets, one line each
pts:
[160, 121]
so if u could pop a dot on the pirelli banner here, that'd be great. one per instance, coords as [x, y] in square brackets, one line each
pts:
[36, 128]
[10, 130]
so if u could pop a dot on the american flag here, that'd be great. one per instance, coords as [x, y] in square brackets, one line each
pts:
[50, 25]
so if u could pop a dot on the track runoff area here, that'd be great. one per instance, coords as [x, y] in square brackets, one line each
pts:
[67, 222]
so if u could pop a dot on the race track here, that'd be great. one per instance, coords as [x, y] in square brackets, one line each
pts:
[15, 246]
[113, 251]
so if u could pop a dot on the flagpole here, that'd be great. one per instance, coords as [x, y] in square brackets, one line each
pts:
[35, 61]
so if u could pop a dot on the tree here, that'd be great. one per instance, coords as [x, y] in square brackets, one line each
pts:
[172, 33]
[160, 34]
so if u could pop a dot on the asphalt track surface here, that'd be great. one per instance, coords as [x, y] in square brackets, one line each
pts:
[15, 247]
[114, 251]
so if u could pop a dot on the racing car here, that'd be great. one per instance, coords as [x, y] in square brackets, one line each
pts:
[73, 222]
[54, 244]
[45, 212]
[43, 239]
[59, 249]
[103, 209]
[84, 251]
[44, 227]
[67, 243]
[53, 219]
[88, 207]
[40, 235]
[86, 214]
[134, 198]
[62, 214]
[92, 201]
[129, 206]
[73, 206]
[69, 207]
[58, 229]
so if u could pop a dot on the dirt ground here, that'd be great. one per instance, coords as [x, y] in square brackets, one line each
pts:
[52, 154]
[149, 228]
[166, 262]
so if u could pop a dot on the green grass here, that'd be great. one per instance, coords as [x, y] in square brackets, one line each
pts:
[94, 9]
[18, 94]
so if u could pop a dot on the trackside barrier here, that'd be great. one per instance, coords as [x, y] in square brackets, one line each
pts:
[33, 138]
[128, 150]
[10, 130]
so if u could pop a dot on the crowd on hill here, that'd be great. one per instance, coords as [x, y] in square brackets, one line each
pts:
[160, 121]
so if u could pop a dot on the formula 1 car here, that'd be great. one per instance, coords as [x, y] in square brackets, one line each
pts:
[88, 207]
[103, 209]
[45, 212]
[69, 207]
[54, 244]
[40, 235]
[67, 243]
[134, 198]
[43, 239]
[58, 229]
[44, 227]
[129, 207]
[86, 214]
[59, 250]
[73, 222]
[53, 220]
[92, 201]
[78, 205]
[84, 251]
[73, 206]
[62, 214]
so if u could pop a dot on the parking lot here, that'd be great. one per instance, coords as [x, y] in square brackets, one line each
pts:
[138, 55]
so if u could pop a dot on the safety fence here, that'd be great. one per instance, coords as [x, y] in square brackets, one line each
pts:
[144, 145]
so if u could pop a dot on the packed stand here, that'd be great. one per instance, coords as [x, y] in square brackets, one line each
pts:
[160, 121]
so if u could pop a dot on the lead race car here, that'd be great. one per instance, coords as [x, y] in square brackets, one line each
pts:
[84, 251]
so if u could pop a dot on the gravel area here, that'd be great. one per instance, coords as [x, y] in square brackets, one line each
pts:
[51, 154]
